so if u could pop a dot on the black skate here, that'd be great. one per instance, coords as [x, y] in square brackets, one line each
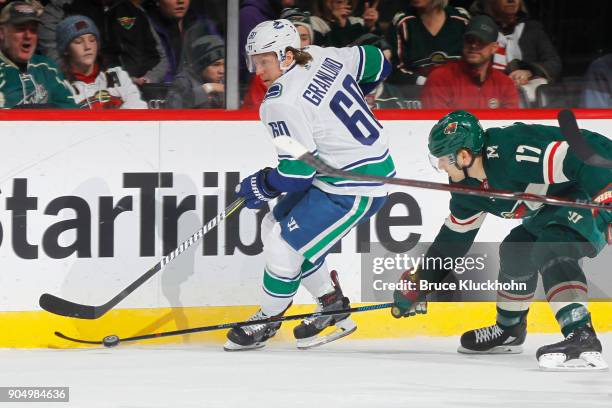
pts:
[307, 332]
[580, 351]
[253, 336]
[494, 340]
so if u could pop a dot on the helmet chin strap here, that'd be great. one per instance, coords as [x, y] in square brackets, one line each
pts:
[465, 168]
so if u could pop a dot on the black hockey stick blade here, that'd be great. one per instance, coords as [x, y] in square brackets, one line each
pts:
[297, 150]
[580, 147]
[113, 340]
[63, 307]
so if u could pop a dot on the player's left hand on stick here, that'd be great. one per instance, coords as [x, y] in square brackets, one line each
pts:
[255, 190]
[408, 301]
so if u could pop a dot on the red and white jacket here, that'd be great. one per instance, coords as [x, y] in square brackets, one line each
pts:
[110, 89]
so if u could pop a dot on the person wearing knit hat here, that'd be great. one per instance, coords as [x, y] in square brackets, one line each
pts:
[301, 21]
[93, 86]
[199, 84]
[73, 27]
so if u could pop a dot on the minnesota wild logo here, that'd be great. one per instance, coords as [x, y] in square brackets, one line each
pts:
[450, 128]
[127, 22]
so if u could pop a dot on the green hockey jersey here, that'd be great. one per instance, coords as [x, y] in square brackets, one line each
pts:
[40, 84]
[533, 159]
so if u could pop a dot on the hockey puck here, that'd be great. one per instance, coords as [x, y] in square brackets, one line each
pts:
[110, 341]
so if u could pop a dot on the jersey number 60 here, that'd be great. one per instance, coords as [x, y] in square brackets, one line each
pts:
[361, 123]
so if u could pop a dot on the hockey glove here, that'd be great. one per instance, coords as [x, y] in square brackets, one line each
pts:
[605, 198]
[255, 190]
[408, 300]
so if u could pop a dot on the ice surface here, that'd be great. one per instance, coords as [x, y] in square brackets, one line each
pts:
[407, 373]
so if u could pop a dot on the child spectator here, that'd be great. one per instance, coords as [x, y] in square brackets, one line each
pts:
[93, 87]
[200, 82]
[171, 19]
[128, 39]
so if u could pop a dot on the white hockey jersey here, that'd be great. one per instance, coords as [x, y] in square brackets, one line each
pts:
[111, 89]
[321, 105]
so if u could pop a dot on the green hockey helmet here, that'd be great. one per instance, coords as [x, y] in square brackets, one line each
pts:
[457, 130]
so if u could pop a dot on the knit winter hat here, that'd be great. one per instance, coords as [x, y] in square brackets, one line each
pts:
[299, 18]
[71, 28]
[205, 50]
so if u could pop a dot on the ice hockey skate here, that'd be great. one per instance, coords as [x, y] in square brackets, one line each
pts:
[253, 336]
[494, 340]
[308, 331]
[579, 351]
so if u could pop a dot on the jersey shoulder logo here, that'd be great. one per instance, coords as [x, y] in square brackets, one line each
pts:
[451, 128]
[274, 91]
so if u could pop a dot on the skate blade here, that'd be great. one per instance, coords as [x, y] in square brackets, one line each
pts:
[495, 350]
[231, 346]
[588, 361]
[342, 329]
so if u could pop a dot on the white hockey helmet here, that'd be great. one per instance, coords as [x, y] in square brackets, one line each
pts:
[271, 36]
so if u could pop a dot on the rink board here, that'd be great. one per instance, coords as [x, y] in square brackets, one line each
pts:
[91, 203]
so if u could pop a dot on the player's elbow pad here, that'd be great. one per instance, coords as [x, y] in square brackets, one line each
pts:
[288, 184]
[369, 87]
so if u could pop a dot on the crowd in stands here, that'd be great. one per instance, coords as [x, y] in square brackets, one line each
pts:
[138, 54]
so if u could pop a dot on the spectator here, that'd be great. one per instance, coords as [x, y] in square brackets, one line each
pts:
[171, 19]
[302, 22]
[93, 86]
[428, 33]
[28, 80]
[597, 91]
[525, 51]
[338, 24]
[127, 37]
[200, 82]
[472, 83]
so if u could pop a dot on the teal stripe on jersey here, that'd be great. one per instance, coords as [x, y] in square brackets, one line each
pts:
[295, 168]
[373, 64]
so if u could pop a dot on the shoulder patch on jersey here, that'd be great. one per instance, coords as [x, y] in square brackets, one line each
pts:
[274, 91]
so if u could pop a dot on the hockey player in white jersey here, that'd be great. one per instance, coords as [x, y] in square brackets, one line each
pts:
[315, 95]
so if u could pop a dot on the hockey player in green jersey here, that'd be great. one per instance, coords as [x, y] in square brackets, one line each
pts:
[549, 242]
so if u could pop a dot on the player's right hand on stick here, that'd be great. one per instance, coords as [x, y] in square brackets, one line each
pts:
[255, 190]
[408, 301]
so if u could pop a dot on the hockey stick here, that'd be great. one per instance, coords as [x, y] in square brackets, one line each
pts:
[298, 151]
[113, 340]
[582, 150]
[63, 307]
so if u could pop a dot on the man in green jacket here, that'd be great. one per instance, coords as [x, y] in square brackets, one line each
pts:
[27, 80]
